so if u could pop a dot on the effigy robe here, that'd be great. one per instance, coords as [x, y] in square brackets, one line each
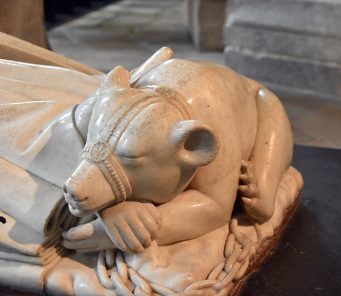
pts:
[38, 151]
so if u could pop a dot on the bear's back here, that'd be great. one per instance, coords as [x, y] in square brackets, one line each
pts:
[215, 94]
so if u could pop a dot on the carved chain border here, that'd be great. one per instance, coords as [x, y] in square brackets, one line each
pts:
[114, 273]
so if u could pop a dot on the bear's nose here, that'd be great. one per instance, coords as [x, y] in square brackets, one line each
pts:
[69, 192]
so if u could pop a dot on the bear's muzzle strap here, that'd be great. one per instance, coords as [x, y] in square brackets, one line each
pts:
[101, 154]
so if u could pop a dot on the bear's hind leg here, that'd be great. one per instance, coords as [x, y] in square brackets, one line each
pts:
[270, 158]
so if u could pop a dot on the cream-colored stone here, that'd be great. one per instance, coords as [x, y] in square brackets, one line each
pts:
[167, 151]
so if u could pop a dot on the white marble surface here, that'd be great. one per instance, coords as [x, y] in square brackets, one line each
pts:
[166, 151]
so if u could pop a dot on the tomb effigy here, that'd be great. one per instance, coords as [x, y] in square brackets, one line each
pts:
[170, 179]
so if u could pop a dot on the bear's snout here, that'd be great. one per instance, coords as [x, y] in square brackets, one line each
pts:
[87, 190]
[70, 190]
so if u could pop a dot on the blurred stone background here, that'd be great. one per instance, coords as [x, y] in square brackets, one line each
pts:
[293, 46]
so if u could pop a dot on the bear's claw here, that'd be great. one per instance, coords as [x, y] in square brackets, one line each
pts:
[248, 188]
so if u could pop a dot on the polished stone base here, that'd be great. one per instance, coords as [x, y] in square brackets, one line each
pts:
[308, 258]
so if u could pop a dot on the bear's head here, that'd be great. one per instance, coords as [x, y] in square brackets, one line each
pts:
[141, 145]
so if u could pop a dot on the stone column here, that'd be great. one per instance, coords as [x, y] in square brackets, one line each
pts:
[24, 19]
[294, 44]
[205, 21]
[189, 11]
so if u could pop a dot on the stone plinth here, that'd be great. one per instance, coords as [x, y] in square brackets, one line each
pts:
[293, 44]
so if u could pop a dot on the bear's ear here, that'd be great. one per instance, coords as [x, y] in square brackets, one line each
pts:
[197, 143]
[119, 77]
[160, 56]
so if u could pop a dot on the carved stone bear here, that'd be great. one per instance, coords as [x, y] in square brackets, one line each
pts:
[164, 152]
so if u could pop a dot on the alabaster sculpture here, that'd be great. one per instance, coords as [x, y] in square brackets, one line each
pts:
[171, 179]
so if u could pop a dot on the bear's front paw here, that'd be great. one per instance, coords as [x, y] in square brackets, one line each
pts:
[132, 226]
[248, 189]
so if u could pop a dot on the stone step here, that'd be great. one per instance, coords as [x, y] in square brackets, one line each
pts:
[290, 44]
[314, 17]
[296, 74]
